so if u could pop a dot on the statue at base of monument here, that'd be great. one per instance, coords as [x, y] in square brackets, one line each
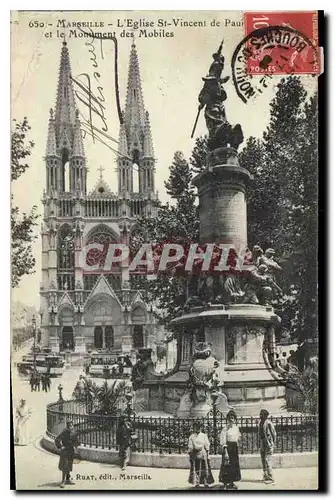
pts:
[258, 289]
[233, 294]
[268, 260]
[203, 373]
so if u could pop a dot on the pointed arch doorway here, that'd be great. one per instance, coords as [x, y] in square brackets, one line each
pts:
[98, 337]
[103, 337]
[67, 338]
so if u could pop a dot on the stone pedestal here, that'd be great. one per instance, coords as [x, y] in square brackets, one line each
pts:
[126, 344]
[237, 334]
[54, 344]
[221, 190]
[80, 345]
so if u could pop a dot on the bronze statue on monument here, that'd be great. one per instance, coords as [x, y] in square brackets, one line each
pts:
[212, 97]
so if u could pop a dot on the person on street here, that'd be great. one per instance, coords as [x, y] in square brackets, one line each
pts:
[23, 414]
[43, 380]
[124, 439]
[32, 382]
[67, 442]
[37, 381]
[229, 437]
[267, 441]
[198, 449]
[48, 382]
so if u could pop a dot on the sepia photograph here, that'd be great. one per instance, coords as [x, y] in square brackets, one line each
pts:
[164, 250]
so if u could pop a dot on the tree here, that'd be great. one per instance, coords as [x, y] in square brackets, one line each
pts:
[177, 223]
[199, 154]
[282, 200]
[22, 225]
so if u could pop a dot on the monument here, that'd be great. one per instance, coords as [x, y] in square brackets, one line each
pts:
[227, 326]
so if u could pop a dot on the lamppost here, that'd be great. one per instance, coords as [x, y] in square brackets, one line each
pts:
[214, 413]
[60, 390]
[128, 410]
[33, 321]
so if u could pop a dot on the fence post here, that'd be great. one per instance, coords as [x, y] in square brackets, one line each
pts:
[214, 397]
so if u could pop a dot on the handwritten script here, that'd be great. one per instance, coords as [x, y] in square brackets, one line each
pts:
[89, 91]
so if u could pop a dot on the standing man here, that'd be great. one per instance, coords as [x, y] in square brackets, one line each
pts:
[124, 438]
[38, 381]
[32, 381]
[67, 442]
[267, 441]
[48, 382]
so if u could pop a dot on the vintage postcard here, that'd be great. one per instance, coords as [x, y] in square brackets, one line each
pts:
[164, 314]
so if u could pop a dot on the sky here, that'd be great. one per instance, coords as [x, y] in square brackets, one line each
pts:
[171, 73]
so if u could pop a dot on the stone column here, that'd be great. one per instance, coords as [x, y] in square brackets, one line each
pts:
[103, 337]
[221, 191]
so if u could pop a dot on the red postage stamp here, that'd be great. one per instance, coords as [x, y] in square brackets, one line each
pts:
[282, 43]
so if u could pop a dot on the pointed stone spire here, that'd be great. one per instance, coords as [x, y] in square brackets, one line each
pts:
[78, 147]
[64, 136]
[51, 143]
[148, 143]
[65, 107]
[134, 114]
[135, 139]
[122, 140]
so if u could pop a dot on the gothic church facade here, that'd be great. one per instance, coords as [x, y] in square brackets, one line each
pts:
[82, 311]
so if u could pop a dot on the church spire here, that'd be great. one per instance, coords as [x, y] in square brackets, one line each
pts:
[65, 107]
[134, 114]
[135, 140]
[65, 156]
[78, 147]
[51, 143]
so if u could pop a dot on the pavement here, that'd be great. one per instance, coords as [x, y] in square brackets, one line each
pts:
[37, 469]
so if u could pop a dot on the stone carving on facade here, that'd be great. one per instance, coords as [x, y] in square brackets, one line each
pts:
[53, 285]
[53, 303]
[79, 285]
[78, 229]
[53, 227]
[124, 227]
[212, 97]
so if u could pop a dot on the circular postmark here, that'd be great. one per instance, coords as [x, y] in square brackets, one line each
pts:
[273, 50]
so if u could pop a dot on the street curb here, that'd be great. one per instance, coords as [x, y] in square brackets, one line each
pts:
[176, 461]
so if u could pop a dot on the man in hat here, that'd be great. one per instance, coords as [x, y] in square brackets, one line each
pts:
[67, 442]
[124, 439]
[266, 441]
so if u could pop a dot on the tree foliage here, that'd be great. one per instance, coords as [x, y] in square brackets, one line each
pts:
[282, 200]
[177, 223]
[22, 224]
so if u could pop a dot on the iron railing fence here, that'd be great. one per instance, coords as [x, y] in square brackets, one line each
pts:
[170, 435]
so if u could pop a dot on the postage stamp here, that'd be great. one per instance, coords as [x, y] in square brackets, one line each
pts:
[278, 50]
